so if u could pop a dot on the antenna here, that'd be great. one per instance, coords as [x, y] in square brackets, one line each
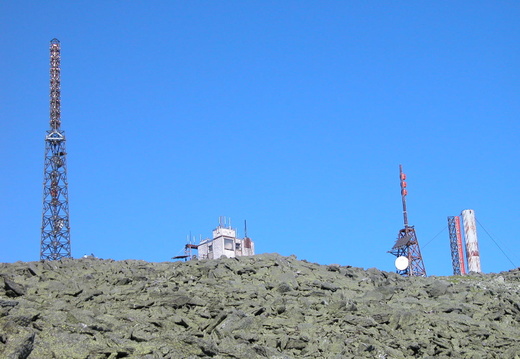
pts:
[55, 231]
[401, 263]
[404, 192]
[245, 228]
[409, 260]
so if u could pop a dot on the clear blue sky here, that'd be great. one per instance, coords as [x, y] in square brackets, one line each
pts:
[293, 115]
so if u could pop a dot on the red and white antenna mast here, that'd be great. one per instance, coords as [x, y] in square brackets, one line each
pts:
[404, 192]
[55, 231]
[409, 260]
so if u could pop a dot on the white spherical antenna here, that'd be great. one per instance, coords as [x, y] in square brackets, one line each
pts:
[401, 263]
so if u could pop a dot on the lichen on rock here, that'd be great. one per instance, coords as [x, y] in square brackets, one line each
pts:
[264, 306]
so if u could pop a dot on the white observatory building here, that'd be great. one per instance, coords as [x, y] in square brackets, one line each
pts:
[225, 243]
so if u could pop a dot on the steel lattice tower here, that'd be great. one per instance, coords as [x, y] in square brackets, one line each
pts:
[407, 244]
[457, 252]
[55, 240]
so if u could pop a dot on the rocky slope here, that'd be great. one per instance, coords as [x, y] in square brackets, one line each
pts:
[266, 306]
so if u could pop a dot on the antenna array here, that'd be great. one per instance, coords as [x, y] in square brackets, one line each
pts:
[409, 260]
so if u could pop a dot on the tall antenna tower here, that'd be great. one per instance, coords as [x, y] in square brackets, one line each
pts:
[409, 261]
[55, 239]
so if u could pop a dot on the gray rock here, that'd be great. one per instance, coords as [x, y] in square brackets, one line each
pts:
[20, 347]
[265, 306]
[13, 289]
[437, 288]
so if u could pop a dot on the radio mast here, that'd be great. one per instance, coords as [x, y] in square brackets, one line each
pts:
[409, 261]
[55, 238]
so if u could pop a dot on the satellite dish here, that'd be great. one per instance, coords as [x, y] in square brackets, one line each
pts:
[401, 263]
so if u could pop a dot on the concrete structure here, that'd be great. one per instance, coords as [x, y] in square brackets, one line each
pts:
[470, 232]
[225, 243]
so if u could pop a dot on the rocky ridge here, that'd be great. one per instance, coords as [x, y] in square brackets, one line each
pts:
[265, 306]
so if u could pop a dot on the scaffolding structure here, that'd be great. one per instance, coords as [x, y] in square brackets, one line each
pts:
[55, 230]
[456, 246]
[406, 246]
[188, 250]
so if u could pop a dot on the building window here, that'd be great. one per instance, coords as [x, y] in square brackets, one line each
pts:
[210, 248]
[228, 244]
[238, 246]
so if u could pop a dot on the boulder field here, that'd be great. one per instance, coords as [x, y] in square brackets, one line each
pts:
[265, 306]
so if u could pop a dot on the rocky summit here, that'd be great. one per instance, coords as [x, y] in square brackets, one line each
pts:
[265, 306]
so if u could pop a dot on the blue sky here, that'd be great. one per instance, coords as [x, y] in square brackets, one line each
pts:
[292, 115]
